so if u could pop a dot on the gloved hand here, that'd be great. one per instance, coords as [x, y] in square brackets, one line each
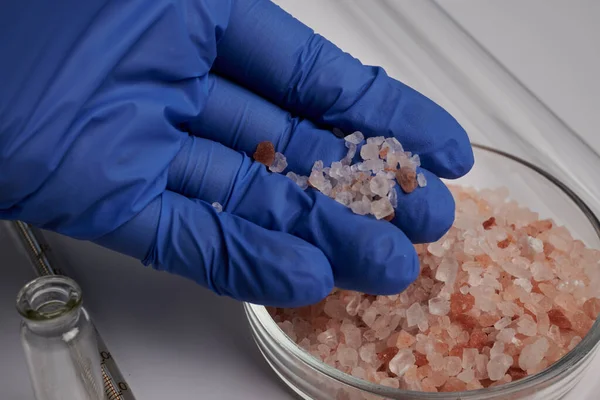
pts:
[122, 121]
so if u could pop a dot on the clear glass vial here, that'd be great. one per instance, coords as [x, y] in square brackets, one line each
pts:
[59, 341]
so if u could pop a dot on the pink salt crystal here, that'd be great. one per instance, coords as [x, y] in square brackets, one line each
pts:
[334, 308]
[369, 316]
[497, 348]
[390, 382]
[347, 357]
[359, 372]
[437, 249]
[329, 338]
[454, 385]
[481, 361]
[436, 361]
[368, 354]
[401, 362]
[543, 323]
[558, 318]
[466, 376]
[288, 329]
[532, 354]
[468, 358]
[428, 386]
[453, 365]
[554, 334]
[474, 385]
[439, 306]
[498, 365]
[405, 340]
[503, 323]
[506, 335]
[592, 307]
[461, 303]
[352, 335]
[414, 314]
[527, 326]
[574, 342]
[541, 272]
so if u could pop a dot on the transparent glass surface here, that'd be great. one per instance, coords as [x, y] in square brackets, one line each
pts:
[59, 341]
[531, 187]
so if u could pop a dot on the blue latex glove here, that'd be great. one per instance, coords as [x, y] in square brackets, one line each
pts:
[122, 121]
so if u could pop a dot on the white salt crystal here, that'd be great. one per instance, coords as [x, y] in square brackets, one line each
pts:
[447, 270]
[416, 161]
[361, 207]
[533, 354]
[498, 365]
[402, 362]
[368, 353]
[464, 289]
[380, 186]
[318, 165]
[377, 141]
[535, 244]
[436, 248]
[524, 283]
[351, 152]
[217, 206]
[439, 306]
[344, 198]
[279, 164]
[336, 169]
[355, 138]
[369, 151]
[393, 198]
[414, 314]
[369, 316]
[527, 326]
[375, 165]
[421, 180]
[381, 208]
[394, 145]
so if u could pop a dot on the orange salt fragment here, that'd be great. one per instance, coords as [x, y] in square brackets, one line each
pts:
[423, 372]
[420, 359]
[467, 321]
[559, 319]
[405, 340]
[265, 153]
[383, 152]
[457, 351]
[407, 179]
[581, 323]
[516, 373]
[504, 243]
[592, 307]
[489, 223]
[548, 249]
[390, 217]
[461, 303]
[386, 355]
[486, 320]
[478, 339]
[484, 260]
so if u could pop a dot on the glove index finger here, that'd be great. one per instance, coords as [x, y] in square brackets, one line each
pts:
[287, 63]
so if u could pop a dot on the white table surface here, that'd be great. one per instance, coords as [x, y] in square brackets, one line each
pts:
[172, 339]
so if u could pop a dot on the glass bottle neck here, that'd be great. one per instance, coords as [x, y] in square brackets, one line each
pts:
[50, 305]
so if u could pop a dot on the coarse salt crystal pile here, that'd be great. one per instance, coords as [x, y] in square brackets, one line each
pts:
[501, 296]
[367, 186]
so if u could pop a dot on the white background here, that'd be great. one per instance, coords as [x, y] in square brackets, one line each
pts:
[173, 339]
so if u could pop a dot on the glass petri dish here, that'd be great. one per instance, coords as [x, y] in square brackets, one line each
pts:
[531, 187]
